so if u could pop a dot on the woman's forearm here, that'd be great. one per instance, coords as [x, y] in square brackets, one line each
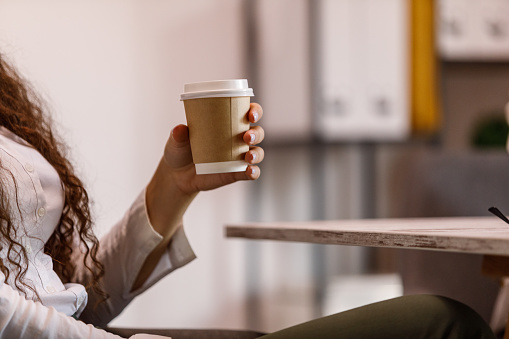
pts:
[166, 205]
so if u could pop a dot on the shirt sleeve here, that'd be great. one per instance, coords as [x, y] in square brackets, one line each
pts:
[25, 319]
[22, 318]
[123, 252]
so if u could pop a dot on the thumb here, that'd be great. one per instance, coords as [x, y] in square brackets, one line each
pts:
[180, 134]
[177, 152]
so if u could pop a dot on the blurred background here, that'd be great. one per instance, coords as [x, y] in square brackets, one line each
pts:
[373, 108]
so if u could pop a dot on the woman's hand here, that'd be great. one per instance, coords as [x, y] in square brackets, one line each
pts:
[179, 161]
[175, 184]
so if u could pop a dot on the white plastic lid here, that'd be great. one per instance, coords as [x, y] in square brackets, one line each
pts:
[217, 89]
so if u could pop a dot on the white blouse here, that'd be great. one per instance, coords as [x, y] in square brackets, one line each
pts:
[40, 198]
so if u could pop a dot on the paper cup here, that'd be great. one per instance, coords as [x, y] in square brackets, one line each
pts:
[216, 113]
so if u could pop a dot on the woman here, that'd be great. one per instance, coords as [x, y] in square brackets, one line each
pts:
[55, 277]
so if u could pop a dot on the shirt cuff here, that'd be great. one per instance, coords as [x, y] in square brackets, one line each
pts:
[178, 253]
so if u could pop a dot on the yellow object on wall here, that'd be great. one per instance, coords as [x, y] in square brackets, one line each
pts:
[425, 99]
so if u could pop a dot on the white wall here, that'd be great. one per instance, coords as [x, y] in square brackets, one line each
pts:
[113, 71]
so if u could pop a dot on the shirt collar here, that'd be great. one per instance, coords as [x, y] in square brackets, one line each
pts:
[8, 134]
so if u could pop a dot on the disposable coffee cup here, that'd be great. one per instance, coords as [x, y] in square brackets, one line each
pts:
[216, 113]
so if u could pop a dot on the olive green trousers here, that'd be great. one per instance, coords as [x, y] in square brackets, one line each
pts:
[412, 317]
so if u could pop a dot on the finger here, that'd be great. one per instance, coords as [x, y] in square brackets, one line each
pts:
[177, 152]
[253, 172]
[180, 135]
[255, 155]
[255, 112]
[254, 136]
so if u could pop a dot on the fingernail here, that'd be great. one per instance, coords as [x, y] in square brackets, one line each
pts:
[253, 156]
[253, 171]
[255, 116]
[252, 137]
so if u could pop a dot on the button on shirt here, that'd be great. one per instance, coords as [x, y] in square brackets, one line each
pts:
[40, 197]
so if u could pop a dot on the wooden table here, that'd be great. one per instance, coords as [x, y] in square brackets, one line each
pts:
[481, 235]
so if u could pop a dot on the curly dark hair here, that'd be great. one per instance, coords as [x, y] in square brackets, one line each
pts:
[23, 112]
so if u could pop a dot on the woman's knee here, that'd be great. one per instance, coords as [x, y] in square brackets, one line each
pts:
[450, 318]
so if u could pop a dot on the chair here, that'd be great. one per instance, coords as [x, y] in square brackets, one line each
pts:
[189, 333]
